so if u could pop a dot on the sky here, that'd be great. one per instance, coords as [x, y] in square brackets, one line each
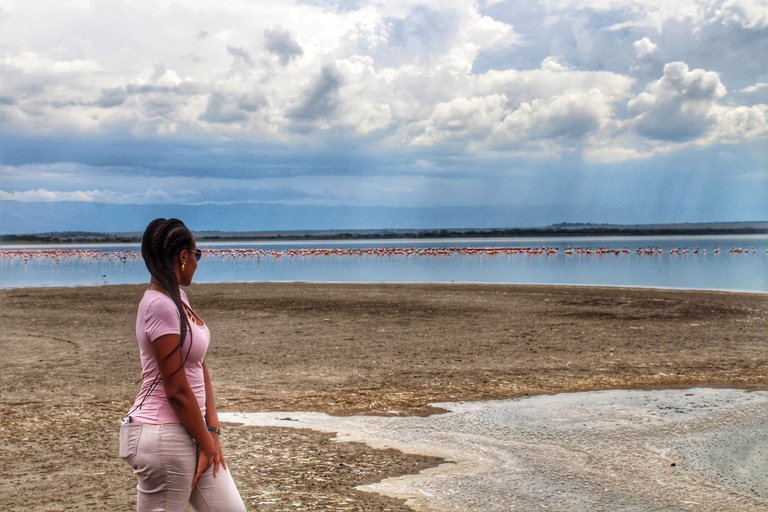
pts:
[355, 114]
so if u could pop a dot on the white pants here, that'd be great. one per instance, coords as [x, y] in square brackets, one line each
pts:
[164, 457]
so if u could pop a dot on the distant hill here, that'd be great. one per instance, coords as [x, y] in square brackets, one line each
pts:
[71, 237]
[562, 229]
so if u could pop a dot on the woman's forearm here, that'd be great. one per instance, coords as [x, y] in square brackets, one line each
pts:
[211, 417]
[184, 404]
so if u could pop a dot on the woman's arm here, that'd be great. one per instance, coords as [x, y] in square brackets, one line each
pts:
[211, 418]
[182, 399]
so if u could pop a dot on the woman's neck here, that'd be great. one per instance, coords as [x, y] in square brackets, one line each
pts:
[154, 285]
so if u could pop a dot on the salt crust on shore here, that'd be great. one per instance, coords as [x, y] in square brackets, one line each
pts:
[661, 450]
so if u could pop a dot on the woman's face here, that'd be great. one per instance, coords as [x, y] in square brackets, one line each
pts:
[187, 262]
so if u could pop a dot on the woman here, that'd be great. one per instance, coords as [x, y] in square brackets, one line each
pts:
[171, 434]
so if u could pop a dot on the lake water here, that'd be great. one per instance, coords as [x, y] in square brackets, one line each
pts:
[638, 261]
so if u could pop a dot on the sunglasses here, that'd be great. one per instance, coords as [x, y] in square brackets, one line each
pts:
[198, 254]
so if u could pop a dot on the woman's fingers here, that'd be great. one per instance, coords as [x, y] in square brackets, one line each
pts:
[197, 477]
[203, 462]
[218, 457]
[219, 461]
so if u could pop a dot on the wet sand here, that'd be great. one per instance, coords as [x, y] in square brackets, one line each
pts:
[669, 450]
[70, 362]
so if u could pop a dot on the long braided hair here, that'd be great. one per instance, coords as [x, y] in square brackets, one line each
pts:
[163, 240]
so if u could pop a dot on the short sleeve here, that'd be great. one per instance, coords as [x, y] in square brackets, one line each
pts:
[162, 318]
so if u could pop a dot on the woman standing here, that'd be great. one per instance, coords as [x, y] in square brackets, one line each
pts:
[171, 434]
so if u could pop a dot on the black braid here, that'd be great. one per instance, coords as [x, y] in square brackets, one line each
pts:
[163, 240]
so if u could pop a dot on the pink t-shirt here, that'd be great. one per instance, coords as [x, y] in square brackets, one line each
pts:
[157, 317]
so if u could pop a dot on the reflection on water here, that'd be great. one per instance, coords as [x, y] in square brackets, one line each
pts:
[726, 263]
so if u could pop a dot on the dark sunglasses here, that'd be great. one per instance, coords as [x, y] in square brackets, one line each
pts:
[198, 254]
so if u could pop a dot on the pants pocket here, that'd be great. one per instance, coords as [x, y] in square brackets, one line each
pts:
[129, 440]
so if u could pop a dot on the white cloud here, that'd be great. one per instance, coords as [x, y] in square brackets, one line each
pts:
[363, 100]
[491, 122]
[44, 171]
[613, 153]
[550, 80]
[89, 196]
[640, 13]
[684, 107]
[47, 195]
[738, 124]
[644, 47]
[570, 115]
[752, 14]
[526, 110]
[679, 106]
[754, 88]
[463, 119]
[31, 62]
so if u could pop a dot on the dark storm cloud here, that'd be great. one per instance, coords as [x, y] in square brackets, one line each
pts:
[194, 58]
[322, 98]
[240, 55]
[575, 124]
[123, 155]
[279, 42]
[67, 104]
[116, 96]
[251, 103]
[113, 97]
[221, 109]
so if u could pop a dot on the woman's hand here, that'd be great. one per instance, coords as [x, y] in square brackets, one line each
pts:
[218, 456]
[211, 418]
[204, 460]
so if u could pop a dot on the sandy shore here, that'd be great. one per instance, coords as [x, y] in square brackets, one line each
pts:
[70, 362]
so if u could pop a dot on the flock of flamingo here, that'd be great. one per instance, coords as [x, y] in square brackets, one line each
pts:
[128, 254]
